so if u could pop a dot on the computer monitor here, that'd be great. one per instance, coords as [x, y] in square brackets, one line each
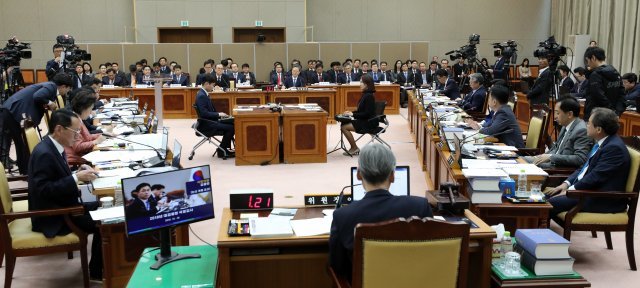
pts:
[157, 202]
[399, 187]
[177, 153]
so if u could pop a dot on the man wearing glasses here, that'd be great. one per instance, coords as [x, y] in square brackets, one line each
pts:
[52, 185]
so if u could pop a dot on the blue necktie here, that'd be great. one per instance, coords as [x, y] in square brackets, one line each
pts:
[593, 152]
[146, 205]
[375, 76]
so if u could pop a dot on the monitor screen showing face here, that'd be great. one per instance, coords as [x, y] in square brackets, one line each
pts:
[399, 187]
[167, 199]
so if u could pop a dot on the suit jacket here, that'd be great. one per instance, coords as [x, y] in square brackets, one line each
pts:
[53, 68]
[474, 101]
[207, 111]
[418, 78]
[405, 79]
[333, 76]
[365, 112]
[200, 78]
[252, 78]
[140, 80]
[223, 82]
[128, 76]
[137, 208]
[165, 70]
[184, 80]
[31, 101]
[231, 76]
[274, 78]
[289, 82]
[499, 69]
[315, 78]
[457, 71]
[118, 81]
[387, 76]
[342, 77]
[451, 89]
[78, 81]
[579, 90]
[574, 149]
[51, 186]
[567, 83]
[539, 93]
[608, 170]
[633, 94]
[504, 119]
[376, 206]
[377, 76]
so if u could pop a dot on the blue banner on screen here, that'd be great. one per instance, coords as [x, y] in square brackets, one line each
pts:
[166, 199]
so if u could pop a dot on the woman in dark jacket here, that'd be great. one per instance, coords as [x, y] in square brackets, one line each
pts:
[363, 117]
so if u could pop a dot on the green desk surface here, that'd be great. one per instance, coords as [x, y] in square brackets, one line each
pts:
[198, 272]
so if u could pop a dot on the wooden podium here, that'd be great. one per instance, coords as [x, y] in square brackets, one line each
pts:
[304, 136]
[257, 134]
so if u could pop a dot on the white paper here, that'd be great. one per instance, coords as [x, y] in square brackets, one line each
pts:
[106, 182]
[311, 227]
[484, 173]
[107, 213]
[122, 172]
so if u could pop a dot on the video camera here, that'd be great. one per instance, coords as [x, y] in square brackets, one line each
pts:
[72, 52]
[505, 49]
[14, 51]
[551, 50]
[469, 51]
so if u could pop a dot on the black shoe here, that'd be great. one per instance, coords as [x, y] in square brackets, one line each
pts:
[95, 278]
[225, 154]
[404, 105]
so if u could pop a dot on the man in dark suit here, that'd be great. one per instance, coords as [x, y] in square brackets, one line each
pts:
[356, 68]
[320, 75]
[31, 101]
[348, 76]
[208, 123]
[278, 77]
[539, 93]
[179, 77]
[566, 83]
[222, 80]
[113, 79]
[208, 69]
[606, 169]
[386, 74]
[474, 101]
[143, 205]
[234, 73]
[422, 77]
[294, 80]
[52, 185]
[375, 73]
[164, 69]
[56, 65]
[579, 90]
[119, 73]
[498, 70]
[405, 77]
[376, 165]
[504, 122]
[146, 77]
[458, 69]
[573, 146]
[605, 84]
[247, 76]
[79, 78]
[631, 87]
[447, 86]
[334, 72]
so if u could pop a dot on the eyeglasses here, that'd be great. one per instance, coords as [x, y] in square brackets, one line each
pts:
[77, 132]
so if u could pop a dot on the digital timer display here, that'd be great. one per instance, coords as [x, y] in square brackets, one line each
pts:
[251, 201]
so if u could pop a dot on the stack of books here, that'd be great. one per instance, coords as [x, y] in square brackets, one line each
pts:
[484, 184]
[544, 252]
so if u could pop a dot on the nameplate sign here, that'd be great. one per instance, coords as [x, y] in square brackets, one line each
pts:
[141, 86]
[321, 200]
[175, 86]
[106, 86]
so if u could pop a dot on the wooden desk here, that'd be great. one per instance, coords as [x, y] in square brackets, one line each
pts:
[304, 136]
[225, 101]
[349, 95]
[514, 216]
[324, 97]
[257, 135]
[121, 253]
[302, 261]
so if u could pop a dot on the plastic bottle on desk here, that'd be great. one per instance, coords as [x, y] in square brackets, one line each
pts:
[506, 246]
[522, 185]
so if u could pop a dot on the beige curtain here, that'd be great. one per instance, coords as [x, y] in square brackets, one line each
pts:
[615, 25]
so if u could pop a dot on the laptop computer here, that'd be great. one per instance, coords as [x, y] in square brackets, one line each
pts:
[400, 187]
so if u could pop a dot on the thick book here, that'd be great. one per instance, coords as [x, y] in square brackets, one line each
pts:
[267, 227]
[545, 267]
[543, 243]
[485, 184]
[486, 197]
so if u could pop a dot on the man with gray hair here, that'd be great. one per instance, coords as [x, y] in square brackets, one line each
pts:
[376, 166]
[474, 101]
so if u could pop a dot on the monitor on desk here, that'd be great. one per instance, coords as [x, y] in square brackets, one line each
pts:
[399, 187]
[158, 202]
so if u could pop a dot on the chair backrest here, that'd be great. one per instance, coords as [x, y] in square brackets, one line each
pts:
[537, 133]
[633, 180]
[534, 131]
[5, 193]
[410, 253]
[60, 101]
[32, 138]
[195, 107]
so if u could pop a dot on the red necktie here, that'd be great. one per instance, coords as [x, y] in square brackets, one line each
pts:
[319, 77]
[279, 79]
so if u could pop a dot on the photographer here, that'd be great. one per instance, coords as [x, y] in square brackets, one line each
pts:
[605, 84]
[539, 93]
[56, 65]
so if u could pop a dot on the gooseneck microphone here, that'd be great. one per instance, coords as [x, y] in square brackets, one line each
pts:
[157, 161]
[341, 196]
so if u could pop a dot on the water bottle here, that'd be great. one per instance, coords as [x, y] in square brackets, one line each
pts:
[433, 85]
[118, 194]
[506, 246]
[522, 185]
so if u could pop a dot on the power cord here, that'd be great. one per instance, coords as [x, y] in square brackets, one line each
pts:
[194, 234]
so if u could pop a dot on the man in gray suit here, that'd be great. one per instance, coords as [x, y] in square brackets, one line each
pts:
[573, 146]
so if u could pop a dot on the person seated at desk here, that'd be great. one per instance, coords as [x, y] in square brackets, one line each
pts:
[208, 69]
[580, 89]
[52, 185]
[364, 117]
[566, 83]
[132, 75]
[247, 76]
[234, 74]
[376, 166]
[82, 106]
[447, 85]
[221, 79]
[375, 73]
[294, 80]
[348, 76]
[334, 73]
[606, 169]
[277, 76]
[320, 75]
[179, 77]
[209, 124]
[474, 101]
[145, 78]
[142, 205]
[573, 145]
[113, 79]
[504, 123]
[631, 87]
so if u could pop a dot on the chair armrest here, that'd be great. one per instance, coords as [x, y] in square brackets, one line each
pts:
[20, 193]
[555, 180]
[560, 171]
[601, 194]
[17, 178]
[528, 151]
[76, 210]
[339, 282]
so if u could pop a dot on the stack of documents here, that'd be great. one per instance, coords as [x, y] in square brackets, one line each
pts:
[485, 184]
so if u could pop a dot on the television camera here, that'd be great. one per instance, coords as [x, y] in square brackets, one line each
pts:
[14, 51]
[469, 51]
[505, 49]
[551, 50]
[72, 53]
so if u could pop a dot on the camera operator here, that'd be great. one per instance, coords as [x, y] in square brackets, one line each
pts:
[498, 68]
[539, 93]
[56, 65]
[605, 84]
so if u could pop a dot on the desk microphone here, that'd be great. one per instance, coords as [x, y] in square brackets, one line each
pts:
[341, 196]
[156, 161]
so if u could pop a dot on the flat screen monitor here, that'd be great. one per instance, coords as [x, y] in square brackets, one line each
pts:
[161, 200]
[177, 153]
[399, 187]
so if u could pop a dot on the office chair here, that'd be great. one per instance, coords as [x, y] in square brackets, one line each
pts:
[382, 118]
[410, 252]
[211, 137]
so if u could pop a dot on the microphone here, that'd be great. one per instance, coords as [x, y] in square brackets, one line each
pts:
[341, 196]
[156, 161]
[450, 52]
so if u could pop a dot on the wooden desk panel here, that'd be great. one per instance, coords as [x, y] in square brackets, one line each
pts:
[41, 76]
[350, 95]
[632, 123]
[325, 98]
[29, 76]
[225, 101]
[304, 136]
[257, 134]
[108, 93]
[176, 103]
[285, 97]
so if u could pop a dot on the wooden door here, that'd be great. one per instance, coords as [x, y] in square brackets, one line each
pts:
[185, 35]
